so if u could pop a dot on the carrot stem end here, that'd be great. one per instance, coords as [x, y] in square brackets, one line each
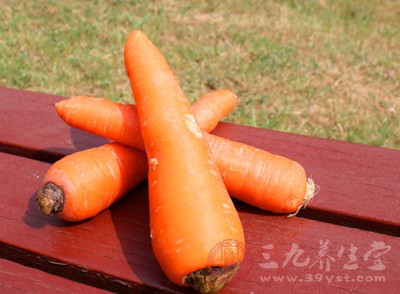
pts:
[312, 190]
[50, 199]
[211, 279]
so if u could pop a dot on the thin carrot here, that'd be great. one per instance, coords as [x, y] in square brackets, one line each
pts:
[257, 177]
[120, 122]
[65, 191]
[213, 106]
[104, 117]
[82, 184]
[191, 213]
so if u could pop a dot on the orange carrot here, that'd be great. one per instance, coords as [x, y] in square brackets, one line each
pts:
[66, 194]
[116, 121]
[191, 213]
[213, 106]
[119, 122]
[257, 177]
[104, 117]
[262, 179]
[82, 184]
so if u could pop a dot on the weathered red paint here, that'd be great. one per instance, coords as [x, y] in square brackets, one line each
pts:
[345, 240]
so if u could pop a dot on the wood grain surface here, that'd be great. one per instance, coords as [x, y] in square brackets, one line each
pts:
[346, 239]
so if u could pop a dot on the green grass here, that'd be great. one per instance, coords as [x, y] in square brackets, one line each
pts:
[322, 68]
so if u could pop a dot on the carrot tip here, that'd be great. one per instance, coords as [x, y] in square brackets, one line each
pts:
[50, 199]
[211, 279]
[311, 191]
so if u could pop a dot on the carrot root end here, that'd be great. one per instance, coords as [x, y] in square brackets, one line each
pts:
[311, 191]
[211, 279]
[50, 199]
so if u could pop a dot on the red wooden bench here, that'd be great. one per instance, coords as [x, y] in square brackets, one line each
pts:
[346, 239]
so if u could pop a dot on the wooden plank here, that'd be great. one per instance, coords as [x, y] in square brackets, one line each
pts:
[84, 252]
[113, 250]
[17, 278]
[359, 184]
[31, 127]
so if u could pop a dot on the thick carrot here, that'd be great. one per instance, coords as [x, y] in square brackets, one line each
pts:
[65, 192]
[120, 122]
[191, 213]
[82, 184]
[257, 177]
[262, 179]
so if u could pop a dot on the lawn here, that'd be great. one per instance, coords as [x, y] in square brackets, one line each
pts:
[322, 68]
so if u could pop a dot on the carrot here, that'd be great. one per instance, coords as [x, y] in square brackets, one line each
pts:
[213, 106]
[120, 122]
[104, 117]
[262, 179]
[191, 213]
[115, 121]
[257, 177]
[82, 184]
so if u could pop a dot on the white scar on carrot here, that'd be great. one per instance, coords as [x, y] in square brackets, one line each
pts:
[153, 162]
[191, 124]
